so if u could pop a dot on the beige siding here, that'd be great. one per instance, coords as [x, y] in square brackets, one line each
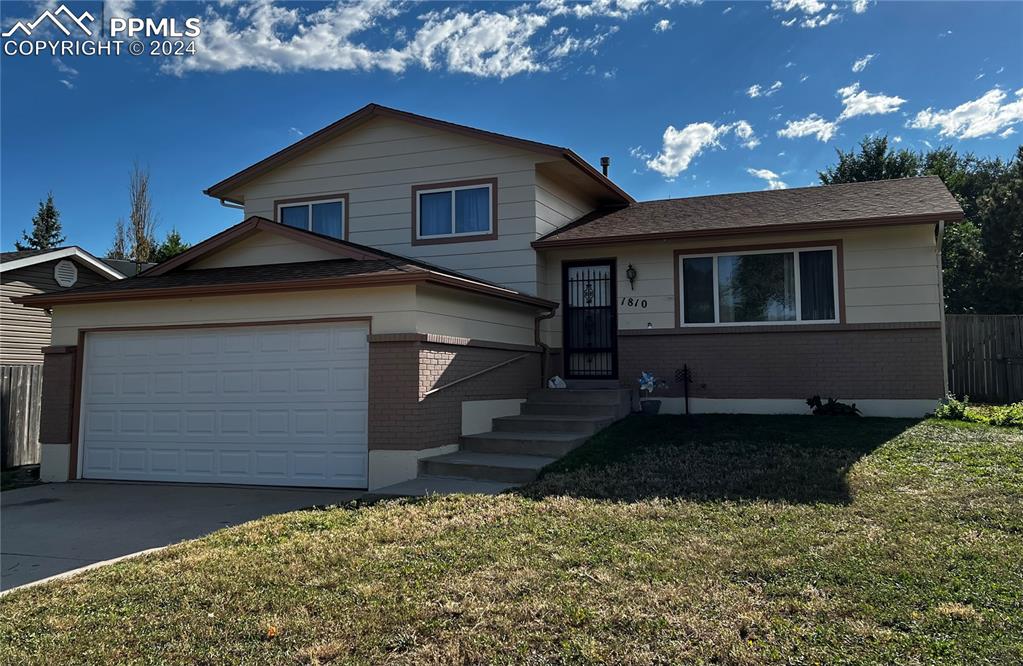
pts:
[397, 309]
[25, 331]
[378, 163]
[891, 275]
[263, 248]
[392, 310]
[456, 313]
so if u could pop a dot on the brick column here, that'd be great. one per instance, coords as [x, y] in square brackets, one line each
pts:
[56, 424]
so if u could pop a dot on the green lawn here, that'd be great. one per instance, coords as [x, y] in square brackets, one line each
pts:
[730, 540]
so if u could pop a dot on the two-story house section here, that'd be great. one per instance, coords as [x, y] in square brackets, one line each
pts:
[401, 288]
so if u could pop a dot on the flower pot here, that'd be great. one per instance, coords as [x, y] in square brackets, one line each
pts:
[651, 407]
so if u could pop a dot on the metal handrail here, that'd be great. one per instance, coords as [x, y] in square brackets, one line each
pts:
[475, 374]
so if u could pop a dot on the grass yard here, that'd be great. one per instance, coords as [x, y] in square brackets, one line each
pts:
[731, 540]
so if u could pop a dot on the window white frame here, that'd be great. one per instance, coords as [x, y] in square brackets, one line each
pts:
[799, 301]
[308, 205]
[454, 223]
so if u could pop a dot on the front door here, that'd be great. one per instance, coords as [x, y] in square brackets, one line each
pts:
[591, 328]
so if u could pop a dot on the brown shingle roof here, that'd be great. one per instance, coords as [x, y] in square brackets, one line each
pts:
[329, 273]
[881, 202]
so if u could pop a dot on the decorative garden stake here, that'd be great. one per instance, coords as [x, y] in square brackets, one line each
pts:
[648, 384]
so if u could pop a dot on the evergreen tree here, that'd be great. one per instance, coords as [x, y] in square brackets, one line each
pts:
[171, 246]
[46, 230]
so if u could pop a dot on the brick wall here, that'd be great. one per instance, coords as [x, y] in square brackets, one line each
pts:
[847, 363]
[58, 395]
[402, 371]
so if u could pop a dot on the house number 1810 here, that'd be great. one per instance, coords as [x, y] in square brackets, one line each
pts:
[634, 302]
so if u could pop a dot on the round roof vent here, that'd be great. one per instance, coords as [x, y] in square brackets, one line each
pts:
[65, 273]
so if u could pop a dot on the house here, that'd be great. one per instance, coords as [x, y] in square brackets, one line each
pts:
[400, 284]
[26, 330]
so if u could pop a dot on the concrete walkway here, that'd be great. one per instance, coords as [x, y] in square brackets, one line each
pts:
[52, 528]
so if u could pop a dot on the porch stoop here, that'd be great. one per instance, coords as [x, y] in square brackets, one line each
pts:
[551, 423]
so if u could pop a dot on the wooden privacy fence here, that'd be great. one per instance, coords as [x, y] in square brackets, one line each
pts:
[20, 394]
[985, 357]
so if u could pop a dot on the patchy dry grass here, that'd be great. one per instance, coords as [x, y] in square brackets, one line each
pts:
[731, 540]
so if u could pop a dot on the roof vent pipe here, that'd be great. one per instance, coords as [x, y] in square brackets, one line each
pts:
[605, 164]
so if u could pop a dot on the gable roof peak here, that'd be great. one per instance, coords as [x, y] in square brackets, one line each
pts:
[224, 188]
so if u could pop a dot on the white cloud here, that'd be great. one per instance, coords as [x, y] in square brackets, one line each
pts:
[680, 147]
[663, 25]
[756, 90]
[68, 84]
[744, 131]
[856, 102]
[812, 125]
[820, 21]
[774, 181]
[986, 115]
[803, 78]
[896, 139]
[727, 9]
[499, 41]
[814, 13]
[64, 68]
[862, 63]
[1007, 132]
[296, 131]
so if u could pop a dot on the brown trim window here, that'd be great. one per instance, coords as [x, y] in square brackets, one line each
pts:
[327, 215]
[759, 287]
[454, 212]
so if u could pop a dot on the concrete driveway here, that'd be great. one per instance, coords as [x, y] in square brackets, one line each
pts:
[52, 528]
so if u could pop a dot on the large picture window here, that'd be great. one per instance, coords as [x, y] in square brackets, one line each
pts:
[759, 287]
[323, 216]
[454, 212]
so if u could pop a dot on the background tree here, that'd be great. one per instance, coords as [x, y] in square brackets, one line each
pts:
[141, 218]
[119, 250]
[171, 246]
[982, 255]
[46, 230]
[873, 162]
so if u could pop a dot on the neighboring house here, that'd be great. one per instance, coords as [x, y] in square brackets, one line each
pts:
[126, 266]
[25, 330]
[400, 281]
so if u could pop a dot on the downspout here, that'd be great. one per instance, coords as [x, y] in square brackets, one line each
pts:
[545, 350]
[941, 307]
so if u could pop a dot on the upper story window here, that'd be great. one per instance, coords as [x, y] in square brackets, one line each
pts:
[327, 215]
[759, 287]
[452, 212]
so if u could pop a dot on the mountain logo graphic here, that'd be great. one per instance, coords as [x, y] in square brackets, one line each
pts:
[54, 17]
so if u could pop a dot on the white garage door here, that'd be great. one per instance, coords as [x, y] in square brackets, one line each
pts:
[270, 405]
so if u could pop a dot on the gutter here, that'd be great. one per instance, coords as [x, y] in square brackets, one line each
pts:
[545, 351]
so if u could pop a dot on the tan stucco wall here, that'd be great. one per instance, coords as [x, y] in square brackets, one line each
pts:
[891, 275]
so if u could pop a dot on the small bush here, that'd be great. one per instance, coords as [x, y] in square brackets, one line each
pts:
[953, 409]
[1006, 415]
[997, 415]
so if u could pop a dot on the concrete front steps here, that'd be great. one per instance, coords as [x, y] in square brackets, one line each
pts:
[551, 423]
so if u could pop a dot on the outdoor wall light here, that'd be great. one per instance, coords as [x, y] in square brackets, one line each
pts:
[630, 273]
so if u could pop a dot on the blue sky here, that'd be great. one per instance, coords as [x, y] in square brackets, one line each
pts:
[665, 88]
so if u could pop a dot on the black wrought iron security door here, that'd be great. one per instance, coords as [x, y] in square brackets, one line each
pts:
[591, 330]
